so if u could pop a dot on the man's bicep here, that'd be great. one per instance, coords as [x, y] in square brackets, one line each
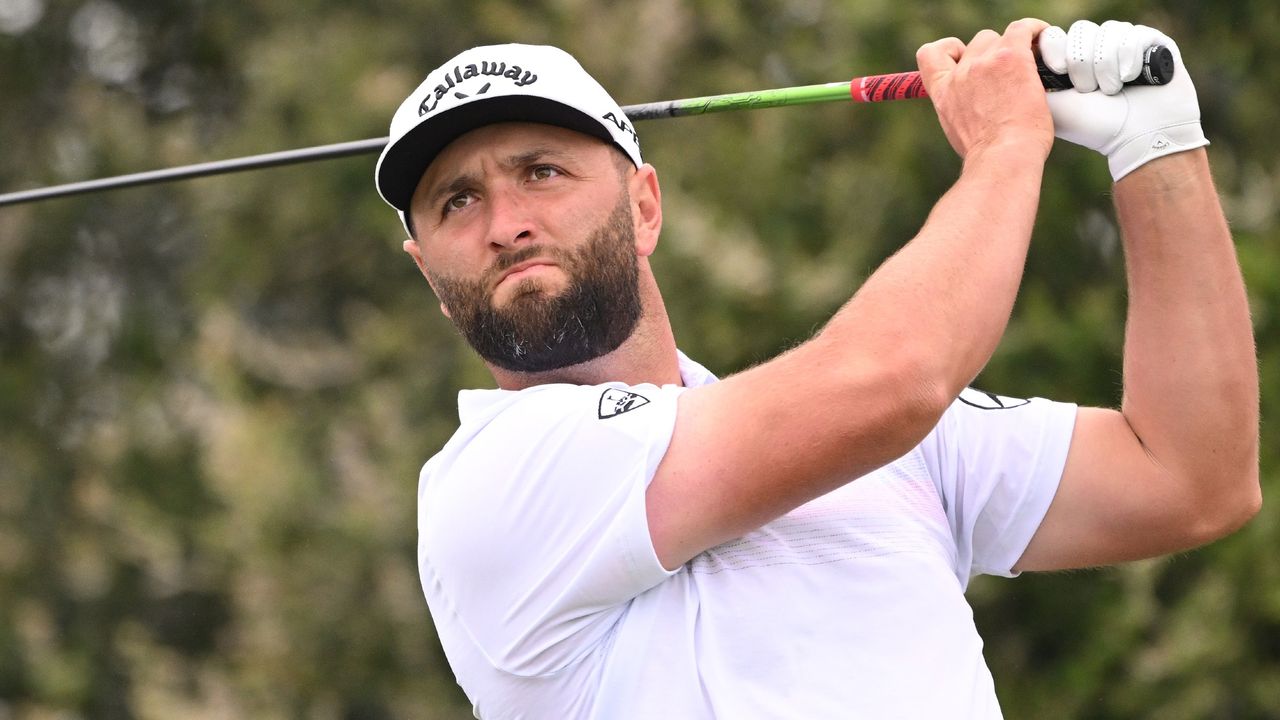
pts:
[685, 487]
[1115, 502]
[756, 445]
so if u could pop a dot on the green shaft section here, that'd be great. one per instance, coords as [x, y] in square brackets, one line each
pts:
[802, 95]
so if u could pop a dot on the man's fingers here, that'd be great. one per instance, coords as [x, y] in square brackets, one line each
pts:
[1080, 44]
[937, 58]
[983, 40]
[950, 48]
[1109, 54]
[1133, 49]
[1022, 33]
[1097, 57]
[941, 56]
[1053, 49]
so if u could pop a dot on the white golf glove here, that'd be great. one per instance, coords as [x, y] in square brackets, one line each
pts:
[1130, 125]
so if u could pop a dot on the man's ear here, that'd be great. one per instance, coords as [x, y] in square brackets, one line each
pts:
[646, 208]
[411, 247]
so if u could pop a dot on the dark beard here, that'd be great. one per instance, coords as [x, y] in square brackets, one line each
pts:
[535, 333]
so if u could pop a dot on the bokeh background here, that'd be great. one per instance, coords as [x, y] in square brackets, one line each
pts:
[215, 395]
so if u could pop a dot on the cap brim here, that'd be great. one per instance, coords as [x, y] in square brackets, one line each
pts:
[404, 162]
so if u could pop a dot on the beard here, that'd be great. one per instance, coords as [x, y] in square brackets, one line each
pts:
[535, 331]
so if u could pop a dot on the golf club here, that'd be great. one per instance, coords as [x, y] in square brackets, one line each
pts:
[1158, 68]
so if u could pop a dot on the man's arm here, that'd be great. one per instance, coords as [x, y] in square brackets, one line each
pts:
[1177, 466]
[873, 383]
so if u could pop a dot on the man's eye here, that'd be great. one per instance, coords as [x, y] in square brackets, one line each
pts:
[543, 172]
[457, 202]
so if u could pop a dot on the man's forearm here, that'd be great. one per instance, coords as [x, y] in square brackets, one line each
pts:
[1190, 369]
[946, 296]
[919, 329]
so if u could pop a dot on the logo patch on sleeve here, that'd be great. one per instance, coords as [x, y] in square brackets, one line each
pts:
[614, 402]
[984, 400]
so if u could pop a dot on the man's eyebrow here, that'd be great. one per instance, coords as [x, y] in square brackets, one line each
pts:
[533, 155]
[453, 187]
[466, 181]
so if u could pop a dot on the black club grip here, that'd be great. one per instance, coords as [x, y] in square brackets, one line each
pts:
[1157, 69]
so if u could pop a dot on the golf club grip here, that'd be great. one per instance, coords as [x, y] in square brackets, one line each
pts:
[1157, 69]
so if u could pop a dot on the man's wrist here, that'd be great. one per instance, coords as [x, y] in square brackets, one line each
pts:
[1170, 174]
[1149, 146]
[1011, 152]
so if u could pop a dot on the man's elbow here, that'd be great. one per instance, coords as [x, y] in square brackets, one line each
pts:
[1249, 503]
[924, 394]
[1238, 498]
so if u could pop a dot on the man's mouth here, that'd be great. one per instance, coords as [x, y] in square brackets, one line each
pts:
[524, 269]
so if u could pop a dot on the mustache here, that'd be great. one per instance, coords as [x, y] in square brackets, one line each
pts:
[507, 260]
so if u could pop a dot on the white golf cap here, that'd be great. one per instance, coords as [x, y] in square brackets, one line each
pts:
[492, 84]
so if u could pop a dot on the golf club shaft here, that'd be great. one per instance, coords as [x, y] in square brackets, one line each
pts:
[829, 92]
[873, 88]
[186, 172]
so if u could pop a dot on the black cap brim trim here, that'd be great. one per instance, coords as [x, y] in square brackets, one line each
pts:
[408, 158]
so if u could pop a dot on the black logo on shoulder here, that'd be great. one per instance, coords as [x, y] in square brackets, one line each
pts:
[984, 400]
[614, 402]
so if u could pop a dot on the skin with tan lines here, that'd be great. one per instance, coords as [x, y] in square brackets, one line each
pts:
[1176, 467]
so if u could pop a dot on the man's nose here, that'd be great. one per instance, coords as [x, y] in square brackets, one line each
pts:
[511, 220]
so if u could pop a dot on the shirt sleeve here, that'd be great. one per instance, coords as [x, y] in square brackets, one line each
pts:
[997, 462]
[532, 522]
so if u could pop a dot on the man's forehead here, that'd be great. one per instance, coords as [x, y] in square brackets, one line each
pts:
[509, 143]
[511, 139]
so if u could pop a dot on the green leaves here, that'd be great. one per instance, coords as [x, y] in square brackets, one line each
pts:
[215, 395]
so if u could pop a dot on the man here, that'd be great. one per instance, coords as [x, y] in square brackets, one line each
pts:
[615, 534]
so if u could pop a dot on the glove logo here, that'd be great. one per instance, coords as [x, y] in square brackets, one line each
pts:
[614, 402]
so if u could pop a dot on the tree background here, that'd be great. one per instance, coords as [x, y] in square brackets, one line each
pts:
[215, 395]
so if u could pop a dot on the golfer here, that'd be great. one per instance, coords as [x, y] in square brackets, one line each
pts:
[615, 533]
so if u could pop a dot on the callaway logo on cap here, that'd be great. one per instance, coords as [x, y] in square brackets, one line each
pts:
[491, 84]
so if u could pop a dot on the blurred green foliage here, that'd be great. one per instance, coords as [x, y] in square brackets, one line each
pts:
[215, 395]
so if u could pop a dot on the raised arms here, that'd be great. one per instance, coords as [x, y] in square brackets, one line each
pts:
[883, 370]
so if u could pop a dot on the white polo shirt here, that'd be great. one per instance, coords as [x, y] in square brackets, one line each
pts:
[549, 601]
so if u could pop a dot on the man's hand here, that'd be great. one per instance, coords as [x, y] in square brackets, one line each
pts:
[1130, 125]
[988, 93]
